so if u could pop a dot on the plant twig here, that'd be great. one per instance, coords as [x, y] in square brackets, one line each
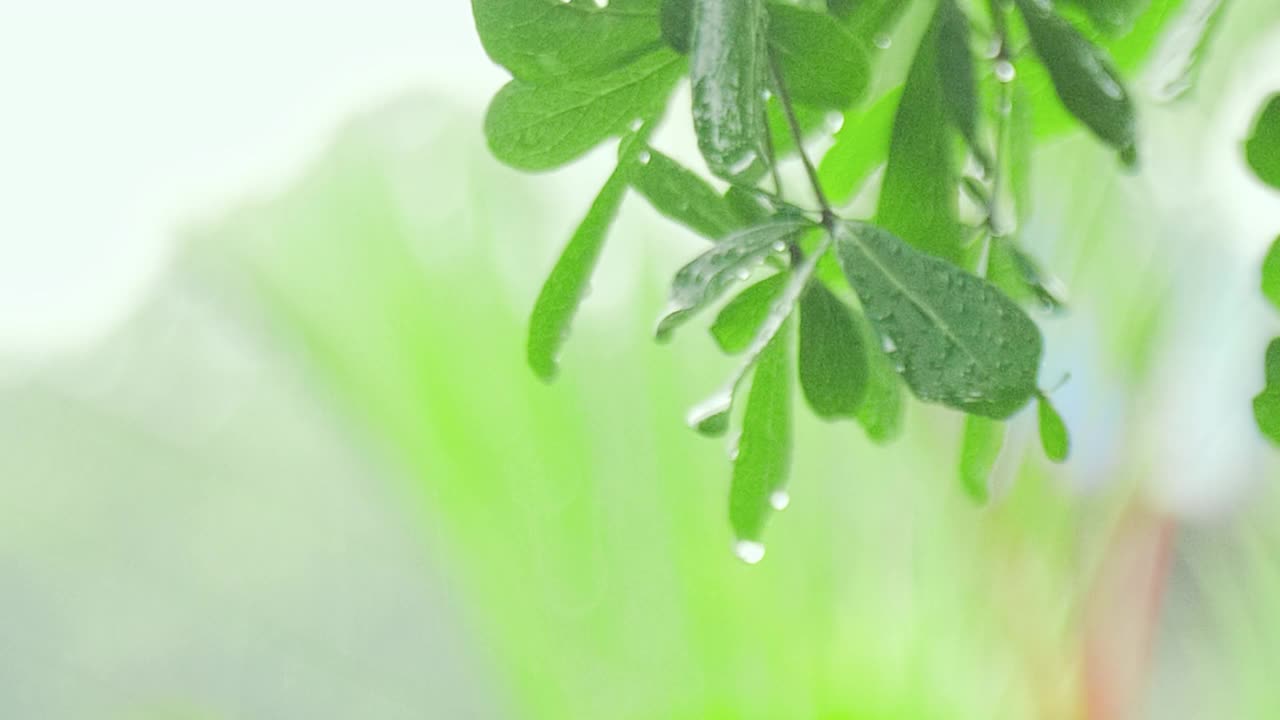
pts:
[784, 97]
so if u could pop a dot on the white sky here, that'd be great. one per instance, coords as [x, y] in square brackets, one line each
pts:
[119, 120]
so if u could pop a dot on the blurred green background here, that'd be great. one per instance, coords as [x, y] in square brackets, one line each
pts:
[303, 471]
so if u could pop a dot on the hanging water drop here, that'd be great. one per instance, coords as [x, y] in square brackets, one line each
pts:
[635, 125]
[711, 416]
[644, 157]
[1005, 72]
[749, 551]
[882, 41]
[779, 499]
[779, 246]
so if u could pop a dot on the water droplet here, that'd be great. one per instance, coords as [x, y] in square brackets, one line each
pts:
[882, 41]
[888, 344]
[834, 121]
[711, 416]
[779, 246]
[766, 94]
[636, 124]
[779, 499]
[749, 551]
[742, 164]
[602, 4]
[743, 274]
[645, 157]
[732, 448]
[1005, 72]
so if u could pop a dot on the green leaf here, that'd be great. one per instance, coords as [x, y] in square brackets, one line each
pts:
[1019, 276]
[957, 339]
[919, 201]
[1266, 405]
[570, 279]
[679, 194]
[822, 63]
[741, 317]
[1053, 432]
[539, 127]
[746, 204]
[1271, 273]
[706, 278]
[1112, 16]
[711, 417]
[861, 145]
[1083, 77]
[676, 21]
[979, 449]
[832, 358]
[763, 458]
[728, 69]
[1262, 149]
[955, 63]
[545, 40]
[880, 413]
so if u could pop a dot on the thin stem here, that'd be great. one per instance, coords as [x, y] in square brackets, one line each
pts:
[772, 157]
[784, 97]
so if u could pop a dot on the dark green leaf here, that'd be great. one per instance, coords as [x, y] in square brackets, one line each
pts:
[679, 194]
[728, 68]
[746, 204]
[861, 145]
[741, 317]
[706, 278]
[763, 458]
[822, 63]
[677, 22]
[1083, 77]
[1053, 432]
[545, 40]
[1266, 405]
[832, 357]
[570, 279]
[1271, 273]
[711, 416]
[955, 63]
[957, 339]
[918, 198]
[1263, 147]
[539, 127]
[979, 449]
[880, 413]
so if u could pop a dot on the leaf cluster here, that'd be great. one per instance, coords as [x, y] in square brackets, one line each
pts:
[921, 297]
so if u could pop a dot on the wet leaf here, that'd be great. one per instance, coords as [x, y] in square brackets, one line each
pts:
[919, 201]
[679, 194]
[539, 127]
[741, 317]
[980, 447]
[823, 64]
[832, 357]
[728, 68]
[540, 41]
[570, 279]
[1083, 77]
[959, 340]
[1262, 149]
[708, 276]
[764, 450]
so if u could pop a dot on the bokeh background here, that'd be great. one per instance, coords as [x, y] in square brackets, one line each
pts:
[268, 448]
